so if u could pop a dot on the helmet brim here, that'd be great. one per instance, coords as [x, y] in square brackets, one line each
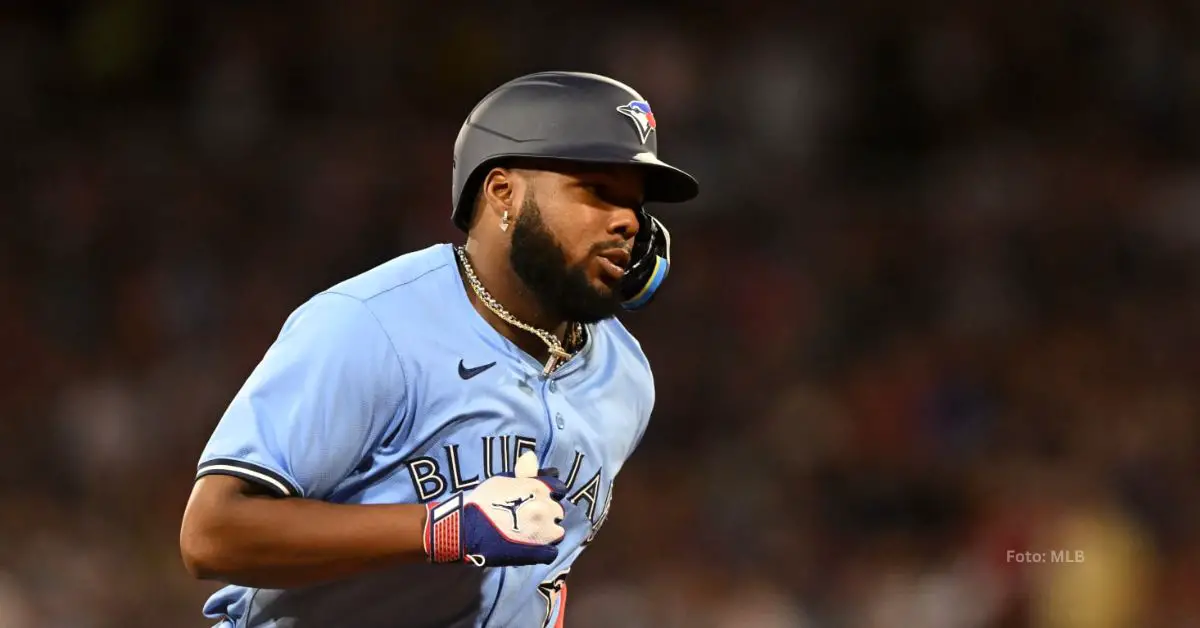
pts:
[664, 183]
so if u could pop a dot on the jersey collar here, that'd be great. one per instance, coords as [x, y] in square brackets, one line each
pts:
[498, 340]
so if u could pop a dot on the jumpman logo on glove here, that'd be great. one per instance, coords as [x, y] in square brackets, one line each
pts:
[511, 506]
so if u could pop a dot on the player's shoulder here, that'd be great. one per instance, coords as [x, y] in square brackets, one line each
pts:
[392, 297]
[632, 373]
[406, 297]
[407, 273]
[625, 347]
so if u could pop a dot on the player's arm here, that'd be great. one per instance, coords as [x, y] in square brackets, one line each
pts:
[234, 532]
[329, 390]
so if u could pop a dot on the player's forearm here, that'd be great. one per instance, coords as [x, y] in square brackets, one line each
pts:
[281, 543]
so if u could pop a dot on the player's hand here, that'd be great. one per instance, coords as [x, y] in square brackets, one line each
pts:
[509, 519]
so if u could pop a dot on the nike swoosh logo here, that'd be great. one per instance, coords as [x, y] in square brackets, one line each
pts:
[468, 373]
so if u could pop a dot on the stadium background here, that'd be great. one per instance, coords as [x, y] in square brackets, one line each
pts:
[937, 301]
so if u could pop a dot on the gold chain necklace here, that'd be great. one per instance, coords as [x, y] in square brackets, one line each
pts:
[558, 354]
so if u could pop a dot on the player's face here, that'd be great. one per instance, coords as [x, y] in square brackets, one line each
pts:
[572, 238]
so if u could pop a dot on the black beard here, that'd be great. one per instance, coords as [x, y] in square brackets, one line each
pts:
[562, 291]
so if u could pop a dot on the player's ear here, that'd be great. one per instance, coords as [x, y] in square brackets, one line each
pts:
[499, 192]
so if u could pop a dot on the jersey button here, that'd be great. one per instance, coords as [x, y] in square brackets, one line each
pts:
[558, 420]
[553, 386]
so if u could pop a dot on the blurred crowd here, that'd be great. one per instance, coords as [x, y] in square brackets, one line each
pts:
[936, 307]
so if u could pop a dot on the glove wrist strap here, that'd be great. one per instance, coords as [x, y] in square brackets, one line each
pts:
[443, 531]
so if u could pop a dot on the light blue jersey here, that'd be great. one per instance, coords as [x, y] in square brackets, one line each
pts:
[390, 388]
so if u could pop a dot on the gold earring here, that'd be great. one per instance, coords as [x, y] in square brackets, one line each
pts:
[504, 221]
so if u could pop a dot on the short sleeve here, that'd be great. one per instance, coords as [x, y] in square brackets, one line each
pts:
[327, 390]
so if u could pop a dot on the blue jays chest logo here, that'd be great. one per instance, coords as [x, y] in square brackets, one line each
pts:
[643, 118]
[450, 471]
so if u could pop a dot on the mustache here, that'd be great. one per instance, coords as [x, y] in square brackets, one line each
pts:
[615, 245]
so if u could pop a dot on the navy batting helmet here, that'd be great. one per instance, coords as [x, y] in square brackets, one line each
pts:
[574, 117]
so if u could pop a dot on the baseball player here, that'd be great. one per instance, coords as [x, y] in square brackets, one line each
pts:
[433, 442]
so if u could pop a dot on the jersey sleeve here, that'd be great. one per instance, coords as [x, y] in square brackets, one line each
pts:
[325, 393]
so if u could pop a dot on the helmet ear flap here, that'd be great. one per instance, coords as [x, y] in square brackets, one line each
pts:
[651, 263]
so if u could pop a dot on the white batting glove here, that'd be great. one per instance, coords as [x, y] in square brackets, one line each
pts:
[509, 519]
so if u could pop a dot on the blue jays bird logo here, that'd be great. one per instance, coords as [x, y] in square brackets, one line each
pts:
[643, 118]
